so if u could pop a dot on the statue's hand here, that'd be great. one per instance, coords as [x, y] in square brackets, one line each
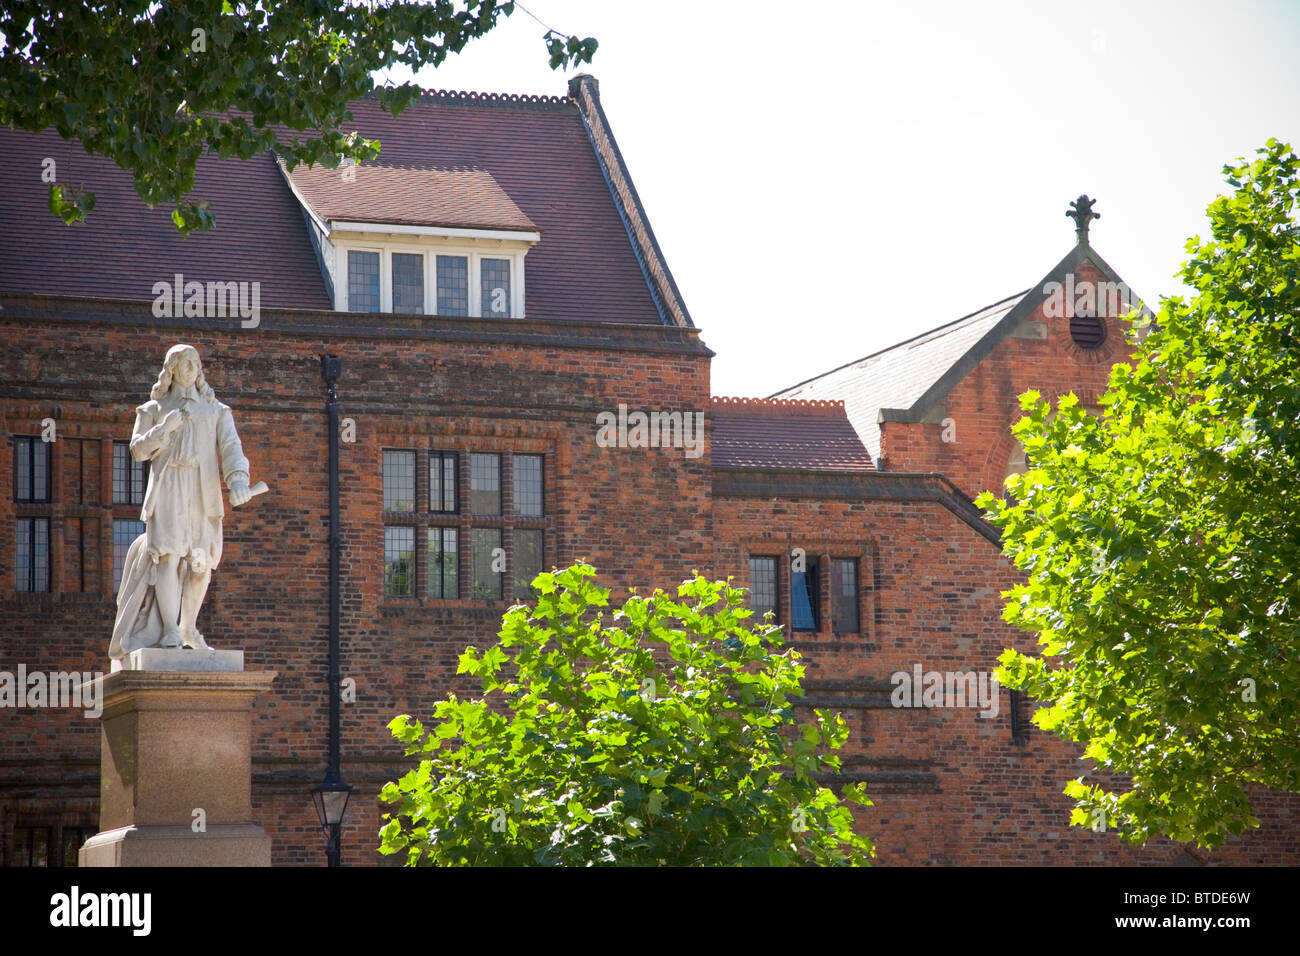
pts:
[239, 493]
[173, 420]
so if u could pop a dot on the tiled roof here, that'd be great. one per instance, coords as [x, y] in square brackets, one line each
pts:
[777, 433]
[373, 193]
[124, 247]
[536, 149]
[898, 376]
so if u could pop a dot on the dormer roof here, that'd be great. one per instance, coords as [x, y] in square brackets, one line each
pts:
[376, 194]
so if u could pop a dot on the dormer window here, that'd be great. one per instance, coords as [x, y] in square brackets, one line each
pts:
[385, 278]
[446, 242]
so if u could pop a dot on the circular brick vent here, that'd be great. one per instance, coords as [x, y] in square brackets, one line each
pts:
[1088, 331]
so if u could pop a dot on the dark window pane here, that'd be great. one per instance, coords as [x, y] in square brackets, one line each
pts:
[451, 482]
[803, 597]
[408, 283]
[844, 595]
[129, 475]
[32, 554]
[40, 846]
[399, 481]
[31, 846]
[762, 586]
[494, 278]
[22, 855]
[443, 468]
[23, 554]
[453, 285]
[399, 561]
[124, 532]
[23, 469]
[73, 838]
[528, 561]
[31, 469]
[528, 485]
[485, 484]
[40, 471]
[442, 581]
[121, 473]
[363, 281]
[487, 554]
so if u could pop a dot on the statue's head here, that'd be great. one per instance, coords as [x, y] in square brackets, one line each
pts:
[182, 367]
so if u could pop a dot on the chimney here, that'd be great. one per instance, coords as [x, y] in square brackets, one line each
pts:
[575, 85]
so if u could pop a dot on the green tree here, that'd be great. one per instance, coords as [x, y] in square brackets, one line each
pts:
[666, 737]
[1161, 540]
[155, 85]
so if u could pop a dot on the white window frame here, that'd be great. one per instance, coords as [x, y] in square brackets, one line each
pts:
[475, 255]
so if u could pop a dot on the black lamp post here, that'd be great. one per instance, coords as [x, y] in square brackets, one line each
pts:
[331, 797]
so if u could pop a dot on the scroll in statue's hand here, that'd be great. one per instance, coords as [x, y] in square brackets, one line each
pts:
[239, 493]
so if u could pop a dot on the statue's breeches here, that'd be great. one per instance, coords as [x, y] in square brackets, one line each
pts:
[182, 530]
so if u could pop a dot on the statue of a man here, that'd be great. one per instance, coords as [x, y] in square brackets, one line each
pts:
[190, 441]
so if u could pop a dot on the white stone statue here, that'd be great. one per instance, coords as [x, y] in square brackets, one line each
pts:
[190, 441]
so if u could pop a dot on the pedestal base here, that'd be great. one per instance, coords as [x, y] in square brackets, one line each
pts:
[180, 659]
[176, 769]
[221, 845]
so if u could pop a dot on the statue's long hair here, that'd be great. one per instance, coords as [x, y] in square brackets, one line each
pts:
[164, 383]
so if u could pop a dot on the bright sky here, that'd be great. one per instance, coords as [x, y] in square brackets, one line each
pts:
[828, 179]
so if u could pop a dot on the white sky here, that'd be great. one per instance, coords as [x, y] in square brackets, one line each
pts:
[828, 179]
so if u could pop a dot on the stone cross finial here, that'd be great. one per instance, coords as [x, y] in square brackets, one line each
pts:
[1081, 212]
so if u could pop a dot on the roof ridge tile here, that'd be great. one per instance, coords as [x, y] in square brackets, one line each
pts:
[497, 99]
[778, 404]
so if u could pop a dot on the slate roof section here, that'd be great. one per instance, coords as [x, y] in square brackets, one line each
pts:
[463, 198]
[766, 433]
[124, 247]
[897, 377]
[537, 149]
[908, 381]
[585, 91]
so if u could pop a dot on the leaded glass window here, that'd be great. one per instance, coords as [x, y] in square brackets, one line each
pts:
[408, 283]
[453, 285]
[762, 585]
[494, 280]
[363, 281]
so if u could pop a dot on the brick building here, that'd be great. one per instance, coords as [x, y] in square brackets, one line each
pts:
[493, 286]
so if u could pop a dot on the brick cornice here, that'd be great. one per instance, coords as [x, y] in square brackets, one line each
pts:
[873, 485]
[576, 333]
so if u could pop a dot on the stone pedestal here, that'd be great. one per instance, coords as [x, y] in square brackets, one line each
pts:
[174, 742]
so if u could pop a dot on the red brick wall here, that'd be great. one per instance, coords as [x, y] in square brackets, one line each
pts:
[949, 787]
